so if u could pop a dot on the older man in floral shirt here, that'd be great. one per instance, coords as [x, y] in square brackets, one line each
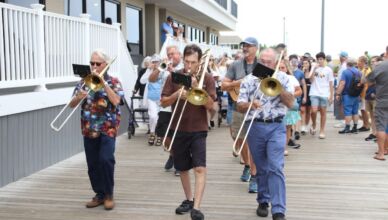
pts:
[100, 120]
[267, 137]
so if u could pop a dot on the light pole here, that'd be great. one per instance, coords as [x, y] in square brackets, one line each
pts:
[323, 26]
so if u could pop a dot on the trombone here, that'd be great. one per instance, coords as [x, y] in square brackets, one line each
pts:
[196, 96]
[94, 83]
[269, 86]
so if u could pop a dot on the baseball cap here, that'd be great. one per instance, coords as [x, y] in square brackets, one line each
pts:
[250, 40]
[169, 18]
[155, 58]
[308, 55]
[343, 54]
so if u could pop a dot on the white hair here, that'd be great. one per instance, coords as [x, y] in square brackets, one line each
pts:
[146, 59]
[102, 54]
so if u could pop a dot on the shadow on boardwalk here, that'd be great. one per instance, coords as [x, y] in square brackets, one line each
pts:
[329, 179]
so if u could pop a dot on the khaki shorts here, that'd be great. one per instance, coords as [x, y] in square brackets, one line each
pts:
[238, 119]
[370, 105]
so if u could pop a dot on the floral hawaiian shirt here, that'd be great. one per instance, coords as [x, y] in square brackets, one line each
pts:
[271, 107]
[98, 114]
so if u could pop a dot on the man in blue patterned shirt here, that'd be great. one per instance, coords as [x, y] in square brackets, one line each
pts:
[267, 137]
[100, 120]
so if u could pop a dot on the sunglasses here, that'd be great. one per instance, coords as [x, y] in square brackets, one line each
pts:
[95, 63]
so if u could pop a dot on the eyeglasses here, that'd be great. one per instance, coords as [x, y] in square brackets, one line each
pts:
[95, 63]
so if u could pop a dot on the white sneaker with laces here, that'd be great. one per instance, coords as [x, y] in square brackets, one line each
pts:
[340, 125]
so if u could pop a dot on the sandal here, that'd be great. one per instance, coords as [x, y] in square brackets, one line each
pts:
[158, 141]
[151, 139]
[312, 131]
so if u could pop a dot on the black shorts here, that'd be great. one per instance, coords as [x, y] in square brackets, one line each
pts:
[189, 150]
[162, 124]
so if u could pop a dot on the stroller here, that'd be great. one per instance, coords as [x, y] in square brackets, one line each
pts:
[137, 113]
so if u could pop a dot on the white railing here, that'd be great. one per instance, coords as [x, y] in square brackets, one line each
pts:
[38, 48]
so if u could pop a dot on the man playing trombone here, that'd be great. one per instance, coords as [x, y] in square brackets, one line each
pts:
[236, 72]
[100, 119]
[267, 137]
[189, 146]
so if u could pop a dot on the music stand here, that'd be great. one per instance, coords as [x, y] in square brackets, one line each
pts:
[81, 70]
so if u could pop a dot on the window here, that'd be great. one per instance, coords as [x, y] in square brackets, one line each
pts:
[134, 29]
[213, 39]
[112, 11]
[24, 3]
[93, 7]
[73, 7]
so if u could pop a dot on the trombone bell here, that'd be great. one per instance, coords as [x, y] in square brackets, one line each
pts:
[94, 82]
[270, 86]
[197, 96]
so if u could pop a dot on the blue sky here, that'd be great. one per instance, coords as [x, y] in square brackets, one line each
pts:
[350, 25]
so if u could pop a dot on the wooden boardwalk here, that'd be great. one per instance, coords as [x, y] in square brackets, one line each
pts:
[329, 179]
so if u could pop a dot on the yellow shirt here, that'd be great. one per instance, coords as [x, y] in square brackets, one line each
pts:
[365, 72]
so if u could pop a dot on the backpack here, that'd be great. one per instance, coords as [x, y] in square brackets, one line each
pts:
[356, 86]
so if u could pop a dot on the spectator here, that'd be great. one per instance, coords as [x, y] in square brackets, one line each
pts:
[379, 77]
[108, 20]
[139, 87]
[321, 93]
[365, 70]
[350, 101]
[166, 29]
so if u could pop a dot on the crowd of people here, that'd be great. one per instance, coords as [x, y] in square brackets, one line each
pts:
[273, 113]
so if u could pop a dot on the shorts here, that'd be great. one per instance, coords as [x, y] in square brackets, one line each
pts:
[238, 120]
[381, 119]
[370, 105]
[189, 150]
[318, 101]
[162, 124]
[350, 105]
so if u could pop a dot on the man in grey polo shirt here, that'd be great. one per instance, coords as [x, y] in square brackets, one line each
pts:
[379, 76]
[231, 83]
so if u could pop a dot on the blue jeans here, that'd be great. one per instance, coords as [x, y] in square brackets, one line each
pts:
[229, 113]
[101, 161]
[266, 142]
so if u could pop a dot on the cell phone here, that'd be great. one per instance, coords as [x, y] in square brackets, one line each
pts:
[181, 79]
[81, 70]
[262, 71]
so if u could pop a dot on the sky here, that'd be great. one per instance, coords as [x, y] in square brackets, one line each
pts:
[353, 26]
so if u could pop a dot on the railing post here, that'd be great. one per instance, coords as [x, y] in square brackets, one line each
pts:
[86, 18]
[41, 57]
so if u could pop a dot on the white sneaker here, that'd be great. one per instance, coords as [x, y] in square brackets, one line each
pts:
[340, 125]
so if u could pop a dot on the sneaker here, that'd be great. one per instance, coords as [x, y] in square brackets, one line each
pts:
[262, 210]
[292, 144]
[286, 153]
[252, 188]
[109, 203]
[169, 163]
[246, 175]
[212, 124]
[340, 125]
[278, 216]
[297, 135]
[95, 202]
[344, 131]
[322, 136]
[362, 129]
[370, 137]
[177, 173]
[354, 130]
[185, 207]
[196, 215]
[303, 130]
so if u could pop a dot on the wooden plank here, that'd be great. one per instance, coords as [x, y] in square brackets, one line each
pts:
[335, 178]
